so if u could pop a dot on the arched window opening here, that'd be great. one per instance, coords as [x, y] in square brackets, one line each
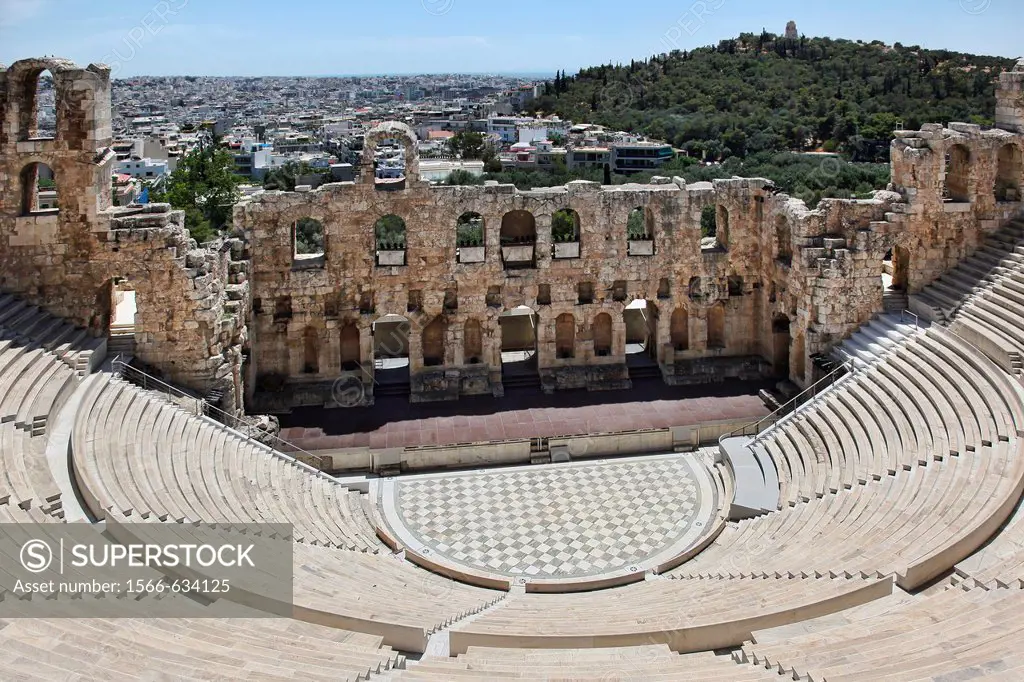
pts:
[308, 242]
[518, 236]
[390, 236]
[1008, 173]
[714, 228]
[781, 342]
[958, 175]
[434, 342]
[389, 160]
[679, 329]
[716, 326]
[469, 238]
[640, 232]
[473, 342]
[351, 354]
[602, 331]
[565, 336]
[565, 234]
[38, 190]
[43, 108]
[311, 351]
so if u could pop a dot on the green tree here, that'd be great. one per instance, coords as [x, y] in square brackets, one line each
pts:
[708, 222]
[467, 144]
[565, 226]
[309, 236]
[462, 177]
[205, 186]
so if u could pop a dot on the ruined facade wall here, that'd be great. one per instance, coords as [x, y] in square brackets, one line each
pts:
[939, 226]
[745, 279]
[66, 259]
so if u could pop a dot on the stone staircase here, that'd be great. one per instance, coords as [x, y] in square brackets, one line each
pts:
[993, 261]
[876, 339]
[895, 301]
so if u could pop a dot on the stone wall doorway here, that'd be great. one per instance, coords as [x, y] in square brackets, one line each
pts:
[781, 340]
[519, 346]
[391, 355]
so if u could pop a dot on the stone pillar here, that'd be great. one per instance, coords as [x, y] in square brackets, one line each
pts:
[366, 351]
[543, 252]
[415, 349]
[618, 336]
[1010, 99]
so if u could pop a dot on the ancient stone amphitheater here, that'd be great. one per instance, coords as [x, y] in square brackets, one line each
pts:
[871, 530]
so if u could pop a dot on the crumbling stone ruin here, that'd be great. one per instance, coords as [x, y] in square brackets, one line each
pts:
[400, 277]
[191, 320]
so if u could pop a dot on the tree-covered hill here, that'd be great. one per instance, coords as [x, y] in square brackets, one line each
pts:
[767, 93]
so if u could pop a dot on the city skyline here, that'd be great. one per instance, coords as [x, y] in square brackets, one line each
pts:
[232, 38]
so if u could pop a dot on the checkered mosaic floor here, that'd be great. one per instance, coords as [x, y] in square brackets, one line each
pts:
[556, 521]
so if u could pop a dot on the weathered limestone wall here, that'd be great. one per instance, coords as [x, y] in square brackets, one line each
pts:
[809, 295]
[187, 325]
[949, 177]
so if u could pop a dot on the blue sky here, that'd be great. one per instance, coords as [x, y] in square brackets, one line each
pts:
[314, 37]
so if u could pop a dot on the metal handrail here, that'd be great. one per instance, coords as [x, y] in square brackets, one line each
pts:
[227, 419]
[784, 409]
[917, 318]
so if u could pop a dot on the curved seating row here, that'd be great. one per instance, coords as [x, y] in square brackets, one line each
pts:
[138, 455]
[378, 594]
[41, 358]
[688, 615]
[651, 663]
[187, 649]
[907, 468]
[949, 635]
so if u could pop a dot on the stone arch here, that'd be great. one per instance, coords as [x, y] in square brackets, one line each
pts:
[565, 226]
[602, 333]
[44, 126]
[308, 241]
[716, 326]
[565, 336]
[434, 342]
[958, 174]
[351, 349]
[310, 351]
[679, 329]
[402, 135]
[473, 342]
[39, 193]
[1008, 173]
[783, 240]
[518, 227]
[31, 88]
